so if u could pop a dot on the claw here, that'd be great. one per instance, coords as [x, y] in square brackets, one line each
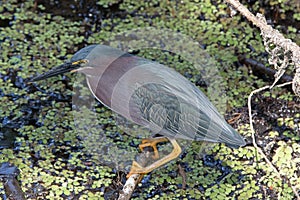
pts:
[152, 142]
[138, 169]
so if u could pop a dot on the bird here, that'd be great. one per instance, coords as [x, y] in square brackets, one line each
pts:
[151, 95]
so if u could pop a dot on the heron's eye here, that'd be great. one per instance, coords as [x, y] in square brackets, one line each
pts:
[80, 62]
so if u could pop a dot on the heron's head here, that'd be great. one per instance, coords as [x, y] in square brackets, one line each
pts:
[90, 60]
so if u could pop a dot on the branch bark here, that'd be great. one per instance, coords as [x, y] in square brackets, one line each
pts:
[271, 36]
[134, 179]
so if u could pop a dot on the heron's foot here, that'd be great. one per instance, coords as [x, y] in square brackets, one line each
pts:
[138, 169]
[152, 142]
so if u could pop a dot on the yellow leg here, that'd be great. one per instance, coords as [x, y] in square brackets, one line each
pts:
[152, 142]
[138, 169]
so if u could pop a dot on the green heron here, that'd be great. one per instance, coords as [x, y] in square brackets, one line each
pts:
[151, 95]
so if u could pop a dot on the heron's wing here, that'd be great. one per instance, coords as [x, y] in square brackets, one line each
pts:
[179, 109]
[168, 114]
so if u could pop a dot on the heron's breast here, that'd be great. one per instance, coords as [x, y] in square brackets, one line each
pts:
[112, 82]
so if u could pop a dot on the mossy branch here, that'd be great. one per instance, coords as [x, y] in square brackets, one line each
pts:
[276, 45]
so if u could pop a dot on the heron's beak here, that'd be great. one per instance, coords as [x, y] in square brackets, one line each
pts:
[61, 69]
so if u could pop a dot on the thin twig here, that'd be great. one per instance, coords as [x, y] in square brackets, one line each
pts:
[253, 136]
[252, 128]
[183, 175]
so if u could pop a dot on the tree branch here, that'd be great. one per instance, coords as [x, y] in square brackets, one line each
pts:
[285, 47]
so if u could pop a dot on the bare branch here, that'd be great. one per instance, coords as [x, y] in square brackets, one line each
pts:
[276, 45]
